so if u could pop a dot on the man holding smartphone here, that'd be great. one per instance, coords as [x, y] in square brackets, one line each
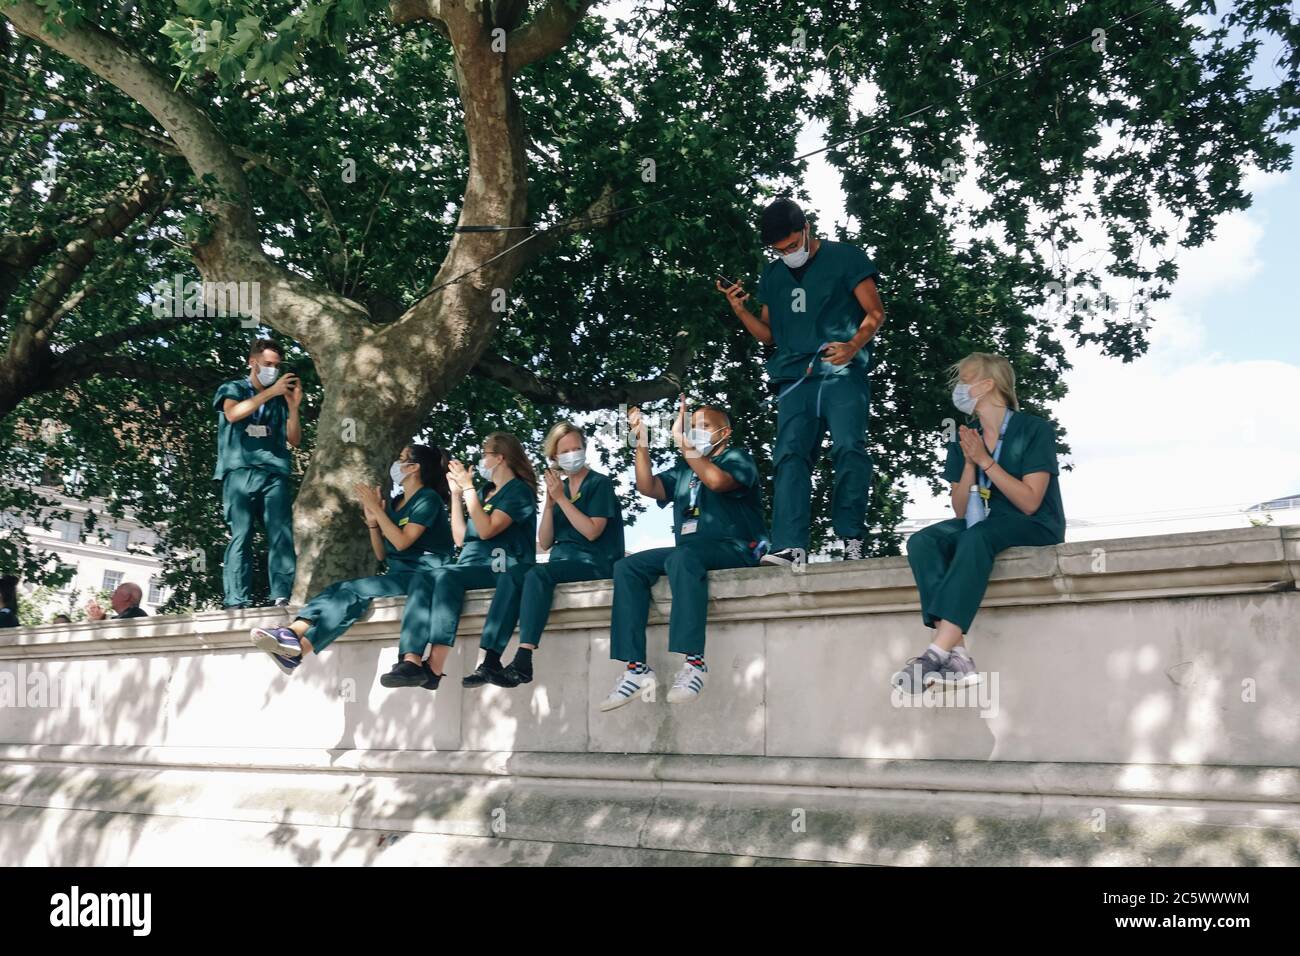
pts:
[821, 309]
[257, 420]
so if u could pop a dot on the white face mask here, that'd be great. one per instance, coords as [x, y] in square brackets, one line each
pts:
[797, 258]
[484, 471]
[396, 474]
[701, 439]
[572, 461]
[962, 398]
[267, 374]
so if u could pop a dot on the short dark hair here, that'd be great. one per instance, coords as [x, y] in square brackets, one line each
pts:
[261, 345]
[710, 406]
[781, 217]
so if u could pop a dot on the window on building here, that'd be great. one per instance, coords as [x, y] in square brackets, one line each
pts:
[70, 530]
[155, 591]
[119, 540]
[112, 579]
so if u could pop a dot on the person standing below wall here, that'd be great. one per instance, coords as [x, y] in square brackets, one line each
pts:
[1004, 481]
[411, 533]
[125, 602]
[8, 601]
[496, 529]
[581, 528]
[717, 523]
[257, 421]
[821, 309]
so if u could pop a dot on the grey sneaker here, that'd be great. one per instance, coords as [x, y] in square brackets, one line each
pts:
[917, 674]
[852, 549]
[959, 671]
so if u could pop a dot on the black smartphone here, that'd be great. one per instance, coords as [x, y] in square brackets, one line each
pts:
[726, 283]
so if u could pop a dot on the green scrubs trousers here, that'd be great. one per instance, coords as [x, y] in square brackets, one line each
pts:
[524, 596]
[340, 605]
[246, 492]
[434, 601]
[952, 563]
[687, 567]
[845, 401]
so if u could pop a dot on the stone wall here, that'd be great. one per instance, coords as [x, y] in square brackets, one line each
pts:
[1140, 705]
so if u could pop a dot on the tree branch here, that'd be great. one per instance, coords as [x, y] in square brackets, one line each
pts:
[40, 314]
[545, 33]
[587, 396]
[203, 146]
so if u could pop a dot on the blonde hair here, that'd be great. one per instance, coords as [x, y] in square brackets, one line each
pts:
[988, 365]
[558, 431]
[507, 446]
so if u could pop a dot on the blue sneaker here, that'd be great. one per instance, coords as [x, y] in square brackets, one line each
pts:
[281, 643]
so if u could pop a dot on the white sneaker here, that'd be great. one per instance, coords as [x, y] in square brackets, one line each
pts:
[630, 686]
[687, 684]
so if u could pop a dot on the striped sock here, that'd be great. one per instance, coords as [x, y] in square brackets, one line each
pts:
[696, 660]
[637, 667]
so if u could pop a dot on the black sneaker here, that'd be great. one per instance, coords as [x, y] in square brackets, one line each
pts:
[431, 680]
[510, 677]
[405, 674]
[785, 558]
[483, 674]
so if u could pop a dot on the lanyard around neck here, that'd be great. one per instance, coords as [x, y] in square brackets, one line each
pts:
[983, 477]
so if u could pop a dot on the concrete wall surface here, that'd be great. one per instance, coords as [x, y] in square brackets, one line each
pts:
[1140, 705]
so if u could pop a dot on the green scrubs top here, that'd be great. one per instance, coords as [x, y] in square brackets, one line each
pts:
[820, 307]
[1029, 445]
[426, 508]
[236, 448]
[519, 541]
[596, 499]
[735, 516]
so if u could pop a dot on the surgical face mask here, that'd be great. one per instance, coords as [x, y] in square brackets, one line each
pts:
[962, 398]
[484, 471]
[572, 461]
[396, 473]
[797, 258]
[267, 374]
[701, 439]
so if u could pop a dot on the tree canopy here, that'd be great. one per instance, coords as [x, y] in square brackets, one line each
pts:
[327, 151]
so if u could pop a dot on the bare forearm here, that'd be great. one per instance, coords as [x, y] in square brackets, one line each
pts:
[245, 407]
[581, 522]
[293, 428]
[645, 479]
[871, 323]
[754, 324]
[377, 543]
[546, 527]
[711, 476]
[1017, 491]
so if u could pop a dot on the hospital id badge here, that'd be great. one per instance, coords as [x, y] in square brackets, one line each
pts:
[688, 527]
[257, 431]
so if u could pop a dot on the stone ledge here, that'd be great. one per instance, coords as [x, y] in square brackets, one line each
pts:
[1239, 561]
[613, 817]
[1271, 785]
